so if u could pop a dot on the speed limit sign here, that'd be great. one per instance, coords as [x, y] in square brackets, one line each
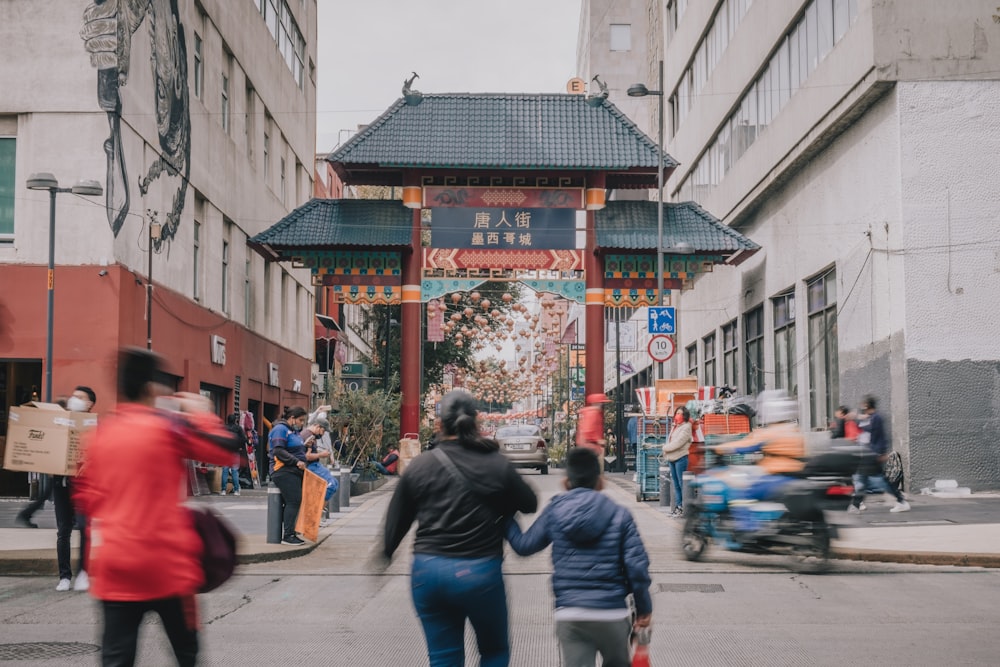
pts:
[661, 348]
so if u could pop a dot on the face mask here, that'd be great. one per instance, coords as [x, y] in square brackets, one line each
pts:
[678, 419]
[74, 404]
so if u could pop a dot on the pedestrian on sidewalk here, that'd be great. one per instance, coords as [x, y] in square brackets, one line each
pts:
[598, 560]
[145, 554]
[459, 493]
[590, 426]
[67, 518]
[873, 440]
[233, 470]
[44, 492]
[675, 453]
[315, 454]
[287, 454]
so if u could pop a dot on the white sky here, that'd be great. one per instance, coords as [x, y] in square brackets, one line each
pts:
[366, 48]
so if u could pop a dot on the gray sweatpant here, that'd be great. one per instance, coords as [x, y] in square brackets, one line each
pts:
[581, 641]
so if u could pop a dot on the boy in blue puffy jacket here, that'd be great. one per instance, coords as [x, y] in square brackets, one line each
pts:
[598, 560]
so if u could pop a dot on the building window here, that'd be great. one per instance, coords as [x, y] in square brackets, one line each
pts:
[292, 47]
[692, 359]
[731, 355]
[8, 150]
[708, 344]
[784, 342]
[225, 277]
[249, 127]
[199, 68]
[267, 292]
[225, 103]
[196, 259]
[621, 37]
[824, 384]
[267, 148]
[247, 294]
[282, 175]
[796, 54]
[753, 332]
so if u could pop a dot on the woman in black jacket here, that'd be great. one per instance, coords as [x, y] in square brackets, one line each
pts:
[459, 493]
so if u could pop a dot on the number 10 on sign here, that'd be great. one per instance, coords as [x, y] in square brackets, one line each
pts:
[661, 348]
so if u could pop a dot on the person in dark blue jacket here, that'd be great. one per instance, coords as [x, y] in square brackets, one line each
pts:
[598, 559]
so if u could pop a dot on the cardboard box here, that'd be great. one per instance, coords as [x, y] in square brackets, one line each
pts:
[42, 437]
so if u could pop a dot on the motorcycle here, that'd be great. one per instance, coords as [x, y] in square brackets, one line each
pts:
[792, 521]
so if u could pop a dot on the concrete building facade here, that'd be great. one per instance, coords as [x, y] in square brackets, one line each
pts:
[197, 118]
[854, 140]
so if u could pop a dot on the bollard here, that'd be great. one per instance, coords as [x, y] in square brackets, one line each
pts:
[333, 504]
[345, 487]
[686, 479]
[275, 509]
[665, 495]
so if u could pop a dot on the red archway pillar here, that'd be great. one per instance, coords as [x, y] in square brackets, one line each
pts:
[409, 362]
[594, 380]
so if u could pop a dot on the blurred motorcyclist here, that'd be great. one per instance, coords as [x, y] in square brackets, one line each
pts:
[780, 442]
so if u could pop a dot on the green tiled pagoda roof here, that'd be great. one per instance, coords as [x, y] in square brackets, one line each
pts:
[501, 131]
[632, 225]
[337, 223]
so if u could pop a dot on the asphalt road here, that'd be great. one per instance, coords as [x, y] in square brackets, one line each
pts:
[333, 607]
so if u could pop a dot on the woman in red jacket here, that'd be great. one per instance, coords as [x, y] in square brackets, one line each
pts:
[144, 552]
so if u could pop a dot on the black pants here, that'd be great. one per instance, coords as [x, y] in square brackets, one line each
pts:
[121, 629]
[66, 521]
[289, 482]
[44, 492]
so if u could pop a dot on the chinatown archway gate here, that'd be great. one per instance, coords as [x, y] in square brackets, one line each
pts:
[498, 188]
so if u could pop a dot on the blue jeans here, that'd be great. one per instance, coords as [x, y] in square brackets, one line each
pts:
[332, 483]
[446, 591]
[235, 472]
[677, 470]
[872, 483]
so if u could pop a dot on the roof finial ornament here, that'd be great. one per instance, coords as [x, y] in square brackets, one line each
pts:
[595, 99]
[412, 97]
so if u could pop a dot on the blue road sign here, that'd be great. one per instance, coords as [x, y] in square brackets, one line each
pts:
[661, 319]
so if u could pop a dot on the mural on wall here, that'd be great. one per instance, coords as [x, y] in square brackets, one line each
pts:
[108, 28]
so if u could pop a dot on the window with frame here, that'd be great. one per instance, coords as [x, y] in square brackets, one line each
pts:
[196, 259]
[824, 380]
[8, 153]
[249, 126]
[248, 293]
[199, 67]
[225, 103]
[282, 188]
[784, 342]
[731, 355]
[708, 344]
[692, 359]
[267, 293]
[621, 37]
[267, 146]
[753, 335]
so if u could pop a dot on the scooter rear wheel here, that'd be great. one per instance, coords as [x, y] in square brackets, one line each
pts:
[694, 539]
[815, 557]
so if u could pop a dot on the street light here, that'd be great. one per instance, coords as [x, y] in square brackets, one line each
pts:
[46, 181]
[640, 90]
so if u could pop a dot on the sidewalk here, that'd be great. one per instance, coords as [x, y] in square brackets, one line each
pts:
[938, 531]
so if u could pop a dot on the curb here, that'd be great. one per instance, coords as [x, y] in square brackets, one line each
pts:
[919, 557]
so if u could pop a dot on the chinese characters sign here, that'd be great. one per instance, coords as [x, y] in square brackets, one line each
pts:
[510, 228]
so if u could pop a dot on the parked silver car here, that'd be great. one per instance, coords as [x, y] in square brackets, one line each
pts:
[524, 445]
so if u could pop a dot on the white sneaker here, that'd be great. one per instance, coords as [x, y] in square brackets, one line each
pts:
[82, 582]
[222, 493]
[236, 493]
[902, 506]
[63, 585]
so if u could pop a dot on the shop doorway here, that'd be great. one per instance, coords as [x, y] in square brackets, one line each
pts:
[20, 382]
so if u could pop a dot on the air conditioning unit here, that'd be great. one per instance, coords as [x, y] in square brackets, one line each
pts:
[272, 374]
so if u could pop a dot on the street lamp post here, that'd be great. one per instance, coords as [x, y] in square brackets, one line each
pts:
[640, 90]
[46, 181]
